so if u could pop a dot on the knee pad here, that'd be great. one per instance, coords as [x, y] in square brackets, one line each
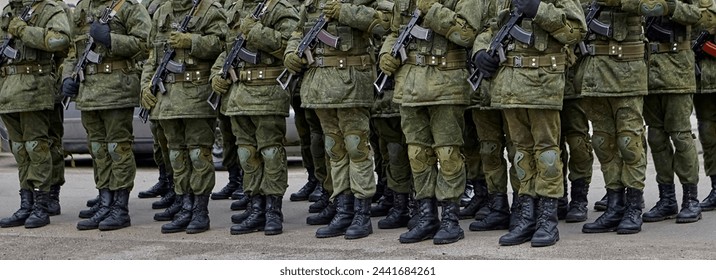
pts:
[549, 163]
[631, 147]
[200, 158]
[274, 159]
[451, 161]
[580, 150]
[421, 158]
[357, 146]
[178, 160]
[683, 141]
[98, 150]
[335, 147]
[603, 145]
[395, 151]
[524, 165]
[18, 150]
[248, 158]
[38, 151]
[658, 140]
[119, 151]
[707, 133]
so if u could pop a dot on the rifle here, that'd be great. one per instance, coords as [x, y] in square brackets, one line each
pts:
[509, 32]
[308, 42]
[412, 30]
[236, 55]
[656, 32]
[595, 26]
[167, 65]
[6, 51]
[89, 55]
[702, 47]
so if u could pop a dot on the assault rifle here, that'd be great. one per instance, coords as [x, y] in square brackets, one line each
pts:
[167, 65]
[309, 41]
[236, 55]
[656, 32]
[509, 32]
[6, 51]
[702, 47]
[89, 55]
[412, 30]
[595, 26]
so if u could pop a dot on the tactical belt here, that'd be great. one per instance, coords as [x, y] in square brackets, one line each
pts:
[620, 51]
[260, 76]
[341, 62]
[555, 62]
[25, 69]
[189, 76]
[453, 60]
[668, 47]
[106, 67]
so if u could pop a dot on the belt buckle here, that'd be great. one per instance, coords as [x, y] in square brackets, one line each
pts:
[653, 47]
[419, 59]
[318, 61]
[615, 49]
[517, 62]
[170, 78]
[91, 69]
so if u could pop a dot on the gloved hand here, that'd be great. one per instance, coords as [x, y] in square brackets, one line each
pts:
[293, 63]
[180, 40]
[101, 34]
[657, 8]
[332, 9]
[16, 27]
[70, 87]
[527, 7]
[148, 99]
[246, 24]
[388, 64]
[424, 5]
[220, 85]
[486, 64]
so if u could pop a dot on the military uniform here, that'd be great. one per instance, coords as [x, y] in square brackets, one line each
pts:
[27, 90]
[705, 106]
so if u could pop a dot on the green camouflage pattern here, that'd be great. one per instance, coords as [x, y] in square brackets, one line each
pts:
[190, 142]
[110, 136]
[494, 139]
[705, 108]
[34, 162]
[152, 5]
[263, 175]
[384, 105]
[575, 134]
[707, 82]
[392, 142]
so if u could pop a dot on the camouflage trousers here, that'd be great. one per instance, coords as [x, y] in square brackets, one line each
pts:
[576, 144]
[346, 133]
[705, 107]
[313, 149]
[110, 138]
[434, 134]
[230, 156]
[30, 144]
[57, 131]
[393, 147]
[668, 117]
[261, 153]
[494, 138]
[471, 149]
[190, 142]
[618, 139]
[159, 147]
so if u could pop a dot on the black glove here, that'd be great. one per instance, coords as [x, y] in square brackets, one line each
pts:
[70, 88]
[100, 33]
[527, 7]
[485, 63]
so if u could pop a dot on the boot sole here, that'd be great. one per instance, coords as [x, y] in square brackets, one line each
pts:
[600, 208]
[163, 219]
[575, 220]
[140, 195]
[12, 225]
[196, 230]
[599, 230]
[628, 231]
[499, 227]
[85, 216]
[87, 227]
[688, 220]
[220, 197]
[544, 244]
[518, 242]
[238, 232]
[107, 228]
[408, 241]
[173, 230]
[273, 232]
[297, 198]
[448, 241]
[156, 207]
[329, 235]
[657, 219]
[36, 226]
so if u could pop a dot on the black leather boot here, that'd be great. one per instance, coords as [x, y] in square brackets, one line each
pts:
[233, 184]
[690, 210]
[320, 204]
[169, 213]
[601, 205]
[427, 224]
[709, 203]
[88, 213]
[92, 202]
[241, 204]
[468, 193]
[239, 192]
[53, 205]
[18, 218]
[499, 216]
[305, 191]
[612, 216]
[106, 198]
[361, 225]
[380, 187]
[256, 221]
[578, 206]
[316, 194]
[563, 203]
[324, 217]
[38, 217]
[399, 214]
[450, 230]
[382, 207]
[183, 218]
[274, 216]
[666, 207]
[119, 212]
[526, 223]
[514, 211]
[167, 198]
[199, 215]
[547, 233]
[160, 188]
[343, 218]
[479, 200]
[238, 218]
[631, 222]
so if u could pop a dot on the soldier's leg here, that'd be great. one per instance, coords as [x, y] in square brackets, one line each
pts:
[119, 139]
[398, 174]
[575, 127]
[630, 141]
[200, 140]
[304, 136]
[705, 107]
[253, 218]
[162, 185]
[57, 131]
[229, 161]
[321, 163]
[102, 165]
[655, 111]
[169, 197]
[473, 162]
[270, 131]
[175, 132]
[380, 161]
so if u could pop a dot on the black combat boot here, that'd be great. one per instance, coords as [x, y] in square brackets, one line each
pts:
[450, 230]
[514, 211]
[631, 222]
[256, 221]
[690, 210]
[361, 225]
[468, 193]
[169, 213]
[233, 184]
[183, 218]
[18, 218]
[563, 203]
[241, 204]
[578, 205]
[239, 192]
[399, 214]
[526, 223]
[305, 191]
[88, 213]
[427, 224]
[414, 208]
[199, 215]
[343, 218]
[612, 216]
[478, 201]
[547, 233]
[601, 205]
[380, 187]
[167, 198]
[93, 202]
[53, 206]
[160, 188]
[316, 194]
[499, 216]
[38, 217]
[320, 204]
[709, 203]
[385, 202]
[324, 217]
[119, 212]
[274, 216]
[238, 218]
[666, 207]
[106, 198]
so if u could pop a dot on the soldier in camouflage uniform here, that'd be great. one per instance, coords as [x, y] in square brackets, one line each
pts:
[107, 98]
[433, 95]
[474, 198]
[188, 120]
[27, 89]
[531, 97]
[705, 105]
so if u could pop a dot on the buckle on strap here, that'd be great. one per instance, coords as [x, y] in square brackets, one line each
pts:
[517, 62]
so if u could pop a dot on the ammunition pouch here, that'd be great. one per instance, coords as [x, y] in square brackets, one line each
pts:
[453, 60]
[556, 62]
[28, 69]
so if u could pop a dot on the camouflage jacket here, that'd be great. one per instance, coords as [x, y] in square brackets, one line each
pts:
[558, 26]
[384, 105]
[707, 82]
[46, 35]
[152, 5]
[186, 92]
[113, 83]
[254, 93]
